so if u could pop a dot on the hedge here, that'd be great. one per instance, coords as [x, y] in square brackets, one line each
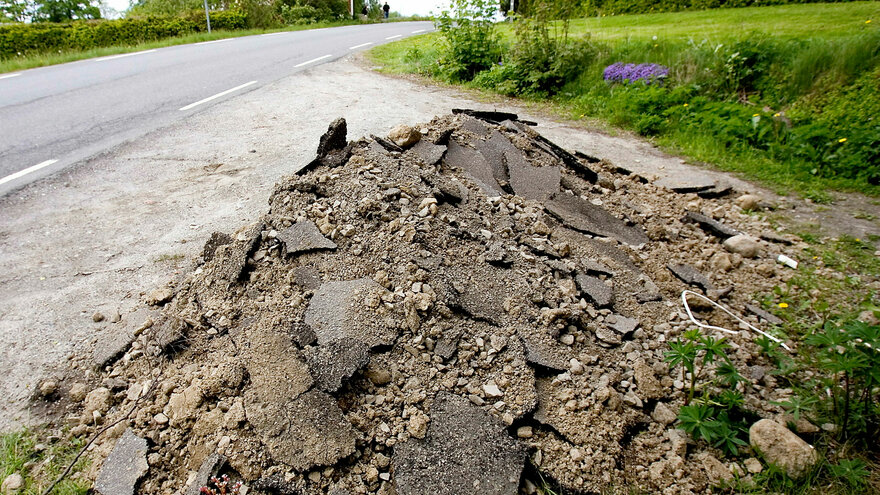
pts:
[45, 37]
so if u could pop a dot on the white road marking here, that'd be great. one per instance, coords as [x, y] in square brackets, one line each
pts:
[275, 34]
[112, 57]
[312, 61]
[218, 95]
[355, 47]
[7, 76]
[417, 31]
[395, 36]
[26, 171]
[214, 41]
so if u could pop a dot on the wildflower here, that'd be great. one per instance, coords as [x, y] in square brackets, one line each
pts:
[756, 115]
[777, 114]
[783, 305]
[630, 73]
[685, 104]
[841, 140]
[868, 21]
[858, 240]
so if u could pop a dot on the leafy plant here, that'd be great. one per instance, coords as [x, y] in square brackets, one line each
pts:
[472, 42]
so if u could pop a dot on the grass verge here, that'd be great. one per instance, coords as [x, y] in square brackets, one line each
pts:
[39, 457]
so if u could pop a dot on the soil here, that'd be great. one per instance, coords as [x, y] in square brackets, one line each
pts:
[513, 331]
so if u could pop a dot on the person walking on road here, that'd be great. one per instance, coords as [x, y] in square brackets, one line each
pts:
[386, 9]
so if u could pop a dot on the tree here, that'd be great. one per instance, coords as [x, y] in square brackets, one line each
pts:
[66, 10]
[17, 10]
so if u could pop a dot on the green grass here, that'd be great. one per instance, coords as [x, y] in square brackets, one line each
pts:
[815, 86]
[19, 453]
[45, 59]
[785, 21]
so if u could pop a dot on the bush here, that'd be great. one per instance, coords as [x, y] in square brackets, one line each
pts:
[472, 43]
[299, 14]
[28, 39]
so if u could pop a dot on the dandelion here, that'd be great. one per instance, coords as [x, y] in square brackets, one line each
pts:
[756, 115]
[841, 140]
[777, 114]
[858, 240]
[783, 305]
[868, 21]
[685, 104]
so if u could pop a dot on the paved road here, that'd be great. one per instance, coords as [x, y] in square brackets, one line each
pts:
[53, 117]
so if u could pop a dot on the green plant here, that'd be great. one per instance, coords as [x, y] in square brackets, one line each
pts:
[472, 43]
[39, 458]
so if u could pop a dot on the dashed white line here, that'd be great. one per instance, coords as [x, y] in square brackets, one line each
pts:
[417, 31]
[355, 47]
[214, 41]
[218, 95]
[112, 57]
[395, 36]
[312, 61]
[22, 173]
[7, 76]
[275, 34]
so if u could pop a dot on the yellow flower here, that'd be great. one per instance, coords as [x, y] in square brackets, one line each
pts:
[868, 21]
[841, 140]
[685, 104]
[783, 305]
[655, 45]
[777, 114]
[858, 240]
[756, 115]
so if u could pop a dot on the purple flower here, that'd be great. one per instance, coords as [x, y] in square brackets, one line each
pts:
[630, 73]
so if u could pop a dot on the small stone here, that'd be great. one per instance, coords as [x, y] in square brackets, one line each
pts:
[663, 414]
[524, 432]
[622, 324]
[576, 455]
[404, 136]
[567, 339]
[576, 367]
[753, 465]
[48, 387]
[379, 376]
[12, 484]
[492, 390]
[721, 262]
[748, 202]
[97, 317]
[631, 399]
[77, 392]
[715, 470]
[160, 419]
[744, 245]
[418, 425]
[781, 447]
[160, 296]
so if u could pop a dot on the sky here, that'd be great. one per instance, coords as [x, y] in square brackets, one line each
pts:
[405, 7]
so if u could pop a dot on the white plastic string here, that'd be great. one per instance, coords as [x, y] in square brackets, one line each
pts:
[686, 293]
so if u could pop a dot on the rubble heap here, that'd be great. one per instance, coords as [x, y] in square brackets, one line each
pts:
[461, 307]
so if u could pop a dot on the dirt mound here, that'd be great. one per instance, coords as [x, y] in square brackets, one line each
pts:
[473, 313]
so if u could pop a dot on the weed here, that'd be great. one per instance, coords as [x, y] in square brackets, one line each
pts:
[39, 458]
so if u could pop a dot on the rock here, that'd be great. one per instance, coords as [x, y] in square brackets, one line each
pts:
[748, 202]
[648, 384]
[97, 400]
[12, 484]
[378, 375]
[491, 390]
[97, 317]
[48, 387]
[303, 432]
[753, 465]
[114, 341]
[779, 446]
[465, 451]
[333, 150]
[678, 442]
[524, 432]
[711, 226]
[303, 237]
[417, 426]
[429, 153]
[77, 392]
[124, 467]
[691, 276]
[160, 296]
[691, 183]
[596, 290]
[631, 399]
[721, 262]
[586, 217]
[715, 470]
[339, 310]
[476, 166]
[663, 414]
[333, 363]
[498, 255]
[210, 467]
[404, 136]
[621, 324]
[744, 245]
[608, 336]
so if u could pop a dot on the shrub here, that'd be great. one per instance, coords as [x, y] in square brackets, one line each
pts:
[472, 44]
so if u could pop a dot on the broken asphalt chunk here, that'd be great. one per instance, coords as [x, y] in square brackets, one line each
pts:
[692, 183]
[465, 451]
[486, 115]
[333, 149]
[586, 217]
[595, 289]
[428, 153]
[710, 225]
[334, 363]
[124, 467]
[691, 276]
[304, 236]
[216, 240]
[210, 467]
[473, 162]
[765, 315]
[341, 309]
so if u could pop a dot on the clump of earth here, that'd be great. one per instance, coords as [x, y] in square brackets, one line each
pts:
[461, 307]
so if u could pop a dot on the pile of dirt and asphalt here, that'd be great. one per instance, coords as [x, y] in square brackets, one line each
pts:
[460, 307]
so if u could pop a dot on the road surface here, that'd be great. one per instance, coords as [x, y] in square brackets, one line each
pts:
[56, 116]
